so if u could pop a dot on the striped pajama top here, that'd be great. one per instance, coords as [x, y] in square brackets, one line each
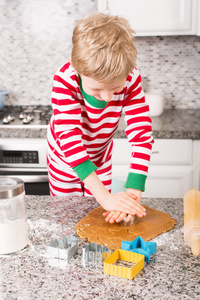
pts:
[82, 128]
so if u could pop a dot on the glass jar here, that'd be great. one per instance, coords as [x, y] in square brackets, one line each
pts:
[13, 218]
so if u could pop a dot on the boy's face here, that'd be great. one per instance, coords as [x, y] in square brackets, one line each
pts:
[101, 91]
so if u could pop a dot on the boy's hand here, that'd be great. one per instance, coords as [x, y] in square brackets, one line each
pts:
[113, 216]
[116, 216]
[124, 202]
[135, 192]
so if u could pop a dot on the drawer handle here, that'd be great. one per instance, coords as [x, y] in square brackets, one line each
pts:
[155, 152]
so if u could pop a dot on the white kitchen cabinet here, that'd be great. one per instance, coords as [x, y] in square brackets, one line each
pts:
[172, 171]
[168, 181]
[157, 17]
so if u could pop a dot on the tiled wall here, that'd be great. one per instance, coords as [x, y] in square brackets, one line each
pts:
[35, 39]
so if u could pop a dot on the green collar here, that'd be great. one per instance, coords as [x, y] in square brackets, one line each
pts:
[90, 99]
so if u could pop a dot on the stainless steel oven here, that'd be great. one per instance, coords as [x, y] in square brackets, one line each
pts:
[25, 159]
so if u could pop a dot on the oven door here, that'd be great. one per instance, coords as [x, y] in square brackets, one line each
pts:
[35, 181]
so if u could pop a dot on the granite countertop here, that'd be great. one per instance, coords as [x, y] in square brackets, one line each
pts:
[172, 124]
[173, 273]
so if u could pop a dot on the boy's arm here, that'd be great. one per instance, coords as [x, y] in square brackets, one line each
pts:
[138, 131]
[66, 127]
[124, 202]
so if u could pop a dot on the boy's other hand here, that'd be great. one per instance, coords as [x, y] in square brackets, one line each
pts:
[116, 216]
[137, 208]
[123, 204]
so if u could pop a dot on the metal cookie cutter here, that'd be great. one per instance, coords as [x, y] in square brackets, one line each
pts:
[140, 246]
[95, 253]
[63, 249]
[111, 268]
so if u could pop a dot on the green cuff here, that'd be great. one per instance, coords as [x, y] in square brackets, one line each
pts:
[135, 181]
[84, 169]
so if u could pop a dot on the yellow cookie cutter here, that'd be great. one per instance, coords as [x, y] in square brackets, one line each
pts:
[124, 272]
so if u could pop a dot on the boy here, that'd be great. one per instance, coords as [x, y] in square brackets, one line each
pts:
[88, 96]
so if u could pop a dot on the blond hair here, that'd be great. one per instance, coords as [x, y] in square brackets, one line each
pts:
[103, 47]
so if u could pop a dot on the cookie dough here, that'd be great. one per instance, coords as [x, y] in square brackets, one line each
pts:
[94, 227]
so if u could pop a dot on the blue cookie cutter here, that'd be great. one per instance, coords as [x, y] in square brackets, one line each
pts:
[140, 246]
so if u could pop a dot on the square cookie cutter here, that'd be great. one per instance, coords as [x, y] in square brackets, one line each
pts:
[63, 249]
[140, 246]
[111, 269]
[95, 253]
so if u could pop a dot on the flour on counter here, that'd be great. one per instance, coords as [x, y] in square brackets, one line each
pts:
[42, 228]
[41, 233]
[14, 236]
[166, 239]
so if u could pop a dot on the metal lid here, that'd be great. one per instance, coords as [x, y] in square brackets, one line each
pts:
[10, 187]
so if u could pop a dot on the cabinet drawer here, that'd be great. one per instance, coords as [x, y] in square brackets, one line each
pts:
[171, 152]
[168, 181]
[164, 152]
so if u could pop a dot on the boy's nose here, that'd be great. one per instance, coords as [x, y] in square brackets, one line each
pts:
[106, 95]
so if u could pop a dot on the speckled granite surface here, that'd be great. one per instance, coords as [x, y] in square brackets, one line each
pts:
[173, 273]
[172, 124]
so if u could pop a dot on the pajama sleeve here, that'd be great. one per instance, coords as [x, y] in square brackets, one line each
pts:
[138, 131]
[67, 125]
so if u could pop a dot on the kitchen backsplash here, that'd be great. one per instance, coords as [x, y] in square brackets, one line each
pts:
[36, 40]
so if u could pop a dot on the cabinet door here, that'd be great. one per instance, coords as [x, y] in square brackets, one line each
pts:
[162, 181]
[154, 17]
[171, 152]
[168, 181]
[171, 171]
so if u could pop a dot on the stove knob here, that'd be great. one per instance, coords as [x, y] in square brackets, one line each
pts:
[5, 120]
[21, 116]
[10, 118]
[29, 118]
[25, 120]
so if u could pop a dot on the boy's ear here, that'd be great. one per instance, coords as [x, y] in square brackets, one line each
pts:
[71, 63]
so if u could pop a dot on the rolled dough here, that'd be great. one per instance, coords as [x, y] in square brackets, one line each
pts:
[94, 227]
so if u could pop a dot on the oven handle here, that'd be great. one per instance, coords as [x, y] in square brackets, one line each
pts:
[26, 175]
[30, 178]
[22, 170]
[33, 178]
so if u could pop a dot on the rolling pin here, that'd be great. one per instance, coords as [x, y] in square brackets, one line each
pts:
[192, 220]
